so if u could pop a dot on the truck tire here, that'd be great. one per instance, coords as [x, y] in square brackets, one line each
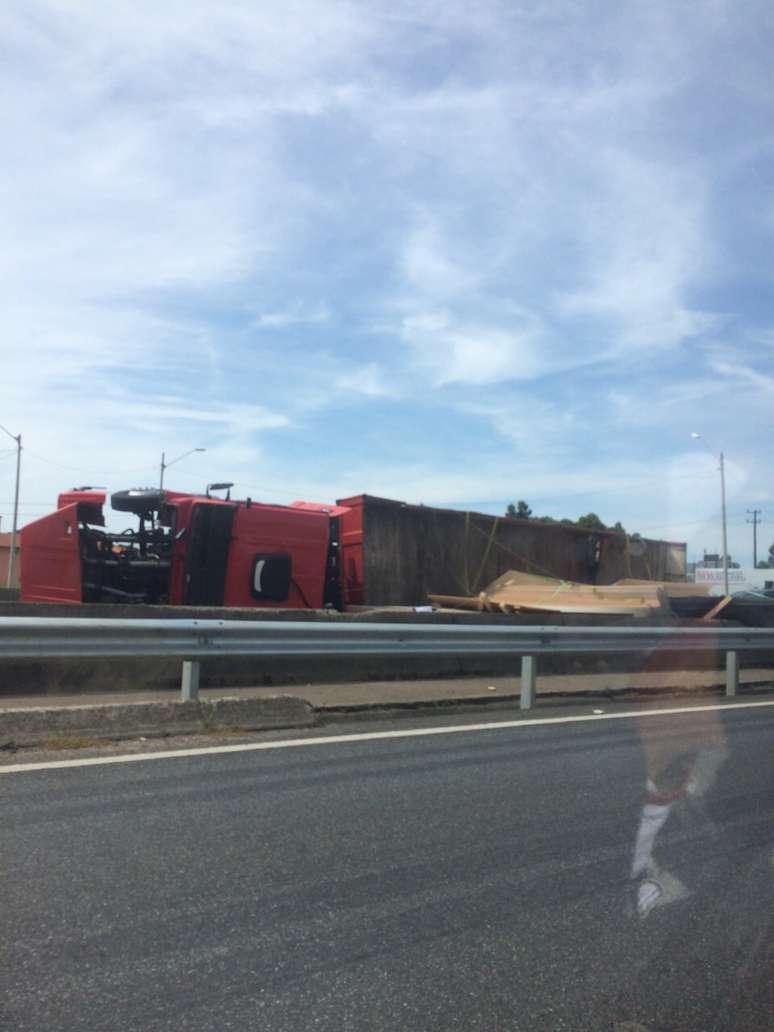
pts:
[138, 501]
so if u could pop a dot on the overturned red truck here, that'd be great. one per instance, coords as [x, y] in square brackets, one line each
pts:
[199, 550]
[184, 550]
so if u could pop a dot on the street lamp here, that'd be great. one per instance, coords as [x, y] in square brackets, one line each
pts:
[14, 529]
[165, 465]
[697, 437]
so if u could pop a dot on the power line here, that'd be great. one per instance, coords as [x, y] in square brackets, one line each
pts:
[670, 524]
[90, 472]
[22, 512]
[259, 491]
[5, 506]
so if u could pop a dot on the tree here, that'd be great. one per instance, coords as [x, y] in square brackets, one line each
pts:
[521, 510]
[590, 522]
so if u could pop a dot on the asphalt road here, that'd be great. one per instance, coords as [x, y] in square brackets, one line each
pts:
[473, 881]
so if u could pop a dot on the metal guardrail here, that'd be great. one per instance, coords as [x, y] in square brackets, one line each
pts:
[193, 640]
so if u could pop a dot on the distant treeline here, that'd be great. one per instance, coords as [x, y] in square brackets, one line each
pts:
[590, 521]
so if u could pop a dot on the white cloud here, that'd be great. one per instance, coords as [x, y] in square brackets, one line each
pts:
[455, 351]
[432, 266]
[743, 373]
[645, 246]
[158, 411]
[542, 430]
[528, 203]
[367, 379]
[297, 315]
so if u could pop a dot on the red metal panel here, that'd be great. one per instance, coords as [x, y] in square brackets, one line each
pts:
[352, 562]
[302, 534]
[51, 571]
[90, 496]
[184, 506]
[330, 510]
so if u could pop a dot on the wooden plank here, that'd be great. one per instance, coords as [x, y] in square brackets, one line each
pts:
[674, 589]
[517, 577]
[569, 587]
[580, 608]
[718, 608]
[515, 590]
[541, 596]
[571, 597]
[473, 602]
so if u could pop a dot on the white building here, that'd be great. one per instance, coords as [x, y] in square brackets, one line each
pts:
[741, 578]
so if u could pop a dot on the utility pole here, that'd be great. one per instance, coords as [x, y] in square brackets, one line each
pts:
[725, 522]
[755, 513]
[15, 527]
[165, 465]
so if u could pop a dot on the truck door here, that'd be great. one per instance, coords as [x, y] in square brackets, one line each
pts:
[207, 554]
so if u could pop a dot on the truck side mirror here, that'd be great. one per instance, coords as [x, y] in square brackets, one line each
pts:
[271, 576]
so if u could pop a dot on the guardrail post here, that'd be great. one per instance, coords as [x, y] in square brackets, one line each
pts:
[189, 685]
[528, 682]
[732, 673]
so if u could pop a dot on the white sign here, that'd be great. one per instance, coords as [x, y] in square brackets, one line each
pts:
[743, 578]
[716, 576]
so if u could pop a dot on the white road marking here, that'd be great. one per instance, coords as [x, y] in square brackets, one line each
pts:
[370, 736]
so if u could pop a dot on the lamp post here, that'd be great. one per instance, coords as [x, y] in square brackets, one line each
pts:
[723, 510]
[165, 465]
[15, 527]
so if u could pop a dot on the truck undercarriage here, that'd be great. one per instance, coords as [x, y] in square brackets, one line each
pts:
[133, 565]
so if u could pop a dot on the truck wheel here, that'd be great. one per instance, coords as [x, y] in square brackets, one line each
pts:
[138, 501]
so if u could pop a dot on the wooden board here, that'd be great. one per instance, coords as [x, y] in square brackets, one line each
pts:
[673, 589]
[514, 591]
[474, 603]
[517, 577]
[589, 610]
[718, 608]
[577, 594]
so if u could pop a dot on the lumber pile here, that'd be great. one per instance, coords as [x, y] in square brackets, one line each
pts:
[688, 601]
[672, 589]
[516, 592]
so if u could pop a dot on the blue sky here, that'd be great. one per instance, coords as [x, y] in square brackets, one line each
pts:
[450, 253]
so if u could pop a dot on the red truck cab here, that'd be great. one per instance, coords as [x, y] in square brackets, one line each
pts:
[185, 550]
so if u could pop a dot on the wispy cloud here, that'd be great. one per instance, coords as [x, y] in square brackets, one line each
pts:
[294, 316]
[369, 380]
[457, 351]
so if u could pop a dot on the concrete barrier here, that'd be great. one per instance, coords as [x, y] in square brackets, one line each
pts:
[34, 726]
